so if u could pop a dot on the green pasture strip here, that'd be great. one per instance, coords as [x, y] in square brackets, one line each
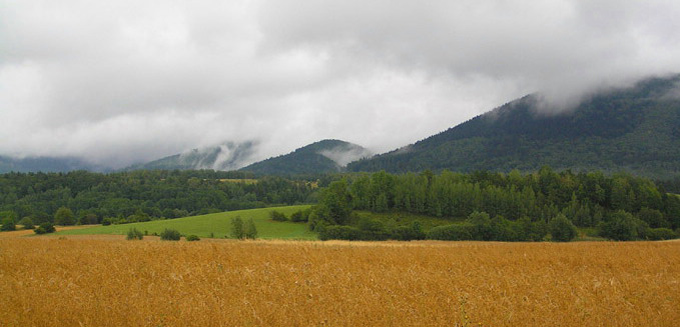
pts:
[218, 225]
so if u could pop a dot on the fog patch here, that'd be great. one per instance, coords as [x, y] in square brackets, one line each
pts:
[673, 94]
[233, 156]
[343, 155]
[226, 156]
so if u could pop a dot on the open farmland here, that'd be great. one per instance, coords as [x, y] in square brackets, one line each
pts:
[98, 282]
[217, 224]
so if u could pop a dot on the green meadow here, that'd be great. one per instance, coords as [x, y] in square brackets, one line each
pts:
[216, 225]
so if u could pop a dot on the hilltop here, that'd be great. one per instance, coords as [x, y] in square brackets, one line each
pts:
[227, 156]
[320, 157]
[635, 129]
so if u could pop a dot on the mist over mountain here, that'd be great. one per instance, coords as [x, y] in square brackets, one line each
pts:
[226, 156]
[47, 164]
[634, 129]
[319, 157]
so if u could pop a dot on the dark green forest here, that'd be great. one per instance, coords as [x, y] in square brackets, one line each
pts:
[141, 195]
[481, 205]
[306, 160]
[519, 207]
[635, 129]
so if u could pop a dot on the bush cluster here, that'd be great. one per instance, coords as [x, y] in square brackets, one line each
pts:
[623, 226]
[300, 216]
[192, 238]
[241, 230]
[371, 230]
[45, 228]
[134, 234]
[459, 232]
[480, 227]
[27, 222]
[277, 216]
[659, 234]
[561, 229]
[170, 235]
[7, 224]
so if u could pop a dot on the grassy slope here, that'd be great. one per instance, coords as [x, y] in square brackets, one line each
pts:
[218, 223]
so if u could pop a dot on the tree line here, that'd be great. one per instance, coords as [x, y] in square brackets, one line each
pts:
[90, 198]
[514, 201]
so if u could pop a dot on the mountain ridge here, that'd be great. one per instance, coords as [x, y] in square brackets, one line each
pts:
[226, 156]
[324, 156]
[47, 164]
[633, 129]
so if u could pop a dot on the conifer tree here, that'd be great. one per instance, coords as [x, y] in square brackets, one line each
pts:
[237, 230]
[249, 230]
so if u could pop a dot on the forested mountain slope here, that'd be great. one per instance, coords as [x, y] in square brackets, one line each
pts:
[227, 156]
[320, 157]
[46, 164]
[635, 129]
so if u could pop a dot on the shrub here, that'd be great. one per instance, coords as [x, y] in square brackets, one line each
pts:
[134, 234]
[561, 229]
[277, 216]
[482, 229]
[45, 228]
[64, 216]
[191, 238]
[27, 222]
[658, 234]
[532, 230]
[107, 221]
[372, 230]
[237, 228]
[458, 232]
[170, 235]
[40, 217]
[8, 225]
[338, 232]
[505, 230]
[408, 233]
[121, 221]
[249, 230]
[87, 219]
[620, 227]
[300, 216]
[654, 218]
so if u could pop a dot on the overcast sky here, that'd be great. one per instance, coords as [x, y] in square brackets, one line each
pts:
[125, 81]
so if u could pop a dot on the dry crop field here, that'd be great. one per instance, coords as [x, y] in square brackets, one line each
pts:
[112, 282]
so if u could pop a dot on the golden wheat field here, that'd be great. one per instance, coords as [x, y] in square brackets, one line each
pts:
[112, 282]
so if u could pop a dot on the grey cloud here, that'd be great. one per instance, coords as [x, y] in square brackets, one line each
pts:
[561, 47]
[128, 81]
[342, 155]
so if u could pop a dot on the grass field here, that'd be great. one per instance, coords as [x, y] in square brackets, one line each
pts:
[48, 281]
[219, 224]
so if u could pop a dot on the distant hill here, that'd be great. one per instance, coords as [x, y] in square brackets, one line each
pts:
[320, 157]
[227, 156]
[46, 164]
[635, 129]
